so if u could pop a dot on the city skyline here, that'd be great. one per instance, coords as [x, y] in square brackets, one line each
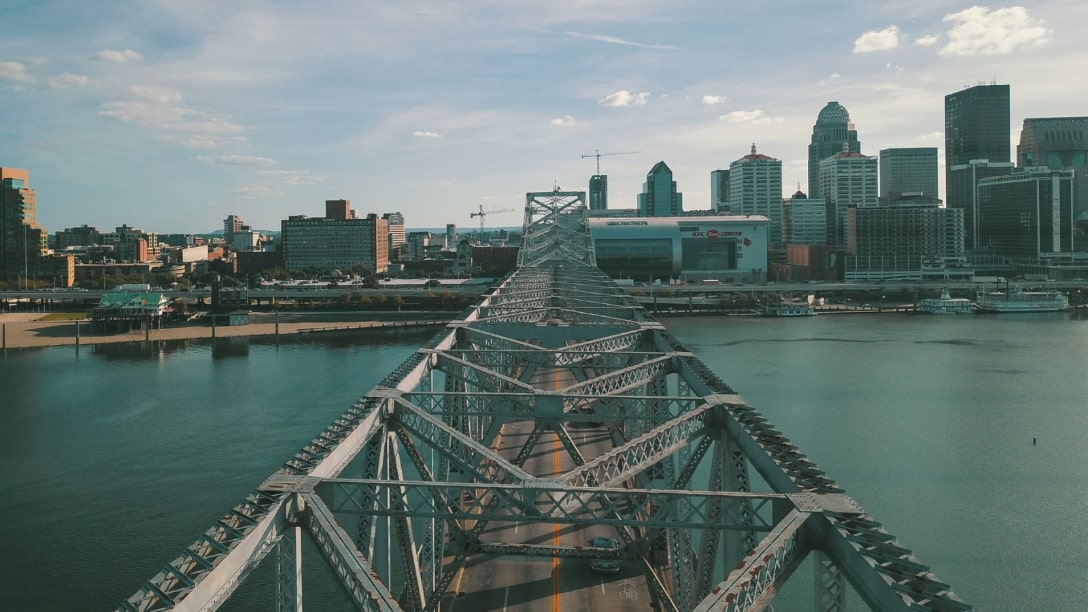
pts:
[172, 116]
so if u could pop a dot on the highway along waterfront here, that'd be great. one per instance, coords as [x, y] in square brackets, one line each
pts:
[965, 435]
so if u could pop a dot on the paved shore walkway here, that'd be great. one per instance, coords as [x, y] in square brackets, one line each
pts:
[27, 330]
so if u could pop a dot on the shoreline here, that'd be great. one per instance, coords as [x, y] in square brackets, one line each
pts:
[19, 331]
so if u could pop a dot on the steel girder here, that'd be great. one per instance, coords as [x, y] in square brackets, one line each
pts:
[289, 572]
[544, 501]
[218, 560]
[635, 457]
[470, 457]
[356, 574]
[751, 586]
[555, 229]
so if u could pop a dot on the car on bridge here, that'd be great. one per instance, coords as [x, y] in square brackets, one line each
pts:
[607, 566]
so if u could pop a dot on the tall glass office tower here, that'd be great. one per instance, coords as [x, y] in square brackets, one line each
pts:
[832, 129]
[976, 126]
[659, 197]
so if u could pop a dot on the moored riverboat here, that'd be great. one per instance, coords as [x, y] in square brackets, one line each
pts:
[945, 304]
[1015, 299]
[788, 309]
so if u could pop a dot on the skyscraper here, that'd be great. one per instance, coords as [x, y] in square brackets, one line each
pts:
[598, 192]
[22, 241]
[847, 180]
[659, 197]
[233, 223]
[804, 220]
[976, 126]
[755, 188]
[888, 243]
[962, 180]
[1028, 215]
[908, 170]
[1059, 143]
[719, 191]
[832, 132]
[1055, 142]
[395, 221]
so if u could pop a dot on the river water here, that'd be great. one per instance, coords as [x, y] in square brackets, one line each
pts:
[966, 436]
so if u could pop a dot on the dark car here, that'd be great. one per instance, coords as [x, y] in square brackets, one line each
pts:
[609, 566]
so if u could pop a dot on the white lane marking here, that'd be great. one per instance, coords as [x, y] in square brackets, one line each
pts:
[602, 584]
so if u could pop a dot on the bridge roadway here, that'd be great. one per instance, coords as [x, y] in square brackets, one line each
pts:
[518, 584]
[555, 410]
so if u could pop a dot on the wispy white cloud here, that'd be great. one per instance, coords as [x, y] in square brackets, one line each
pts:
[63, 81]
[624, 98]
[291, 178]
[615, 40]
[118, 57]
[143, 113]
[711, 100]
[981, 31]
[160, 109]
[275, 183]
[878, 40]
[238, 160]
[564, 121]
[749, 116]
[155, 94]
[926, 41]
[426, 134]
[15, 71]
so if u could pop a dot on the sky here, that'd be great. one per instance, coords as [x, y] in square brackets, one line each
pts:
[169, 115]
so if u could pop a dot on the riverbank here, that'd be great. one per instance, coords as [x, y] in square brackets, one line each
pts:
[28, 330]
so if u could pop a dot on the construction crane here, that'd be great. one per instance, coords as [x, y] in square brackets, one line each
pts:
[599, 155]
[483, 213]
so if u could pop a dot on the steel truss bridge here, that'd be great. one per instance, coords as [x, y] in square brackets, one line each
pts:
[419, 483]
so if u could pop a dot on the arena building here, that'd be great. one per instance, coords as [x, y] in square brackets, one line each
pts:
[727, 249]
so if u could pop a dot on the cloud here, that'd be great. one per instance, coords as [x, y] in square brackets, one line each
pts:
[615, 40]
[160, 109]
[153, 93]
[980, 31]
[711, 100]
[426, 134]
[238, 160]
[275, 183]
[15, 71]
[564, 121]
[624, 98]
[926, 41]
[749, 116]
[66, 80]
[143, 113]
[117, 57]
[831, 78]
[881, 40]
